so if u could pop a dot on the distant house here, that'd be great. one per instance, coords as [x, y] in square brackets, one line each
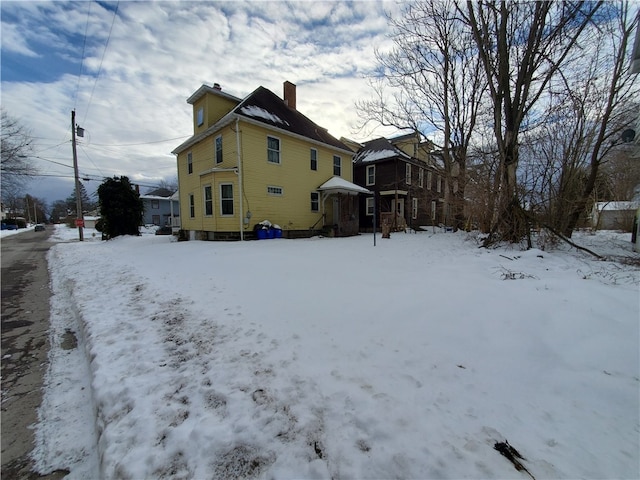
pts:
[614, 215]
[257, 159]
[409, 191]
[160, 210]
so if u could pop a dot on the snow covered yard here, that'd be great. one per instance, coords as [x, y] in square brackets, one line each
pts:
[332, 358]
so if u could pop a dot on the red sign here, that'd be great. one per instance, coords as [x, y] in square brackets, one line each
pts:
[79, 222]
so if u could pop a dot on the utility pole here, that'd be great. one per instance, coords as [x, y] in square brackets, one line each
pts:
[79, 215]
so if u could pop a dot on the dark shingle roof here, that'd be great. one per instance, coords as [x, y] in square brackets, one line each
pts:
[266, 107]
[376, 150]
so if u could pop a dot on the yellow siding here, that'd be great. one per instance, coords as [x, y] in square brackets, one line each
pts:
[292, 210]
[215, 107]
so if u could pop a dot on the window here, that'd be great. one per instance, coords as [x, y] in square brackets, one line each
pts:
[407, 175]
[200, 116]
[421, 177]
[192, 206]
[414, 208]
[271, 190]
[315, 201]
[273, 150]
[429, 180]
[337, 165]
[208, 201]
[433, 210]
[226, 199]
[155, 219]
[371, 175]
[189, 162]
[219, 149]
[439, 184]
[155, 204]
[314, 159]
[370, 206]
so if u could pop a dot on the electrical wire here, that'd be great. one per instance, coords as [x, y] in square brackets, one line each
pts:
[84, 44]
[115, 13]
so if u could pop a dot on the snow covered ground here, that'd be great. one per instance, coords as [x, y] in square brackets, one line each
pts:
[332, 358]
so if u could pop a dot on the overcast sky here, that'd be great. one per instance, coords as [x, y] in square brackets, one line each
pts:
[129, 77]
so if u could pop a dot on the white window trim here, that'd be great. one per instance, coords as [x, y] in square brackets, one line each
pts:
[232, 200]
[311, 202]
[433, 210]
[313, 150]
[204, 200]
[275, 193]
[192, 205]
[279, 162]
[369, 205]
[421, 177]
[407, 173]
[189, 163]
[339, 163]
[373, 169]
[429, 180]
[200, 116]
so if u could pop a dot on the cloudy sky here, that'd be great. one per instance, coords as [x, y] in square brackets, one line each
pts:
[127, 69]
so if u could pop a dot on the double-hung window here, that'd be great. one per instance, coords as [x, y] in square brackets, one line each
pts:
[370, 206]
[273, 150]
[192, 206]
[218, 144]
[190, 162]
[208, 201]
[371, 175]
[408, 174]
[337, 165]
[314, 159]
[414, 208]
[315, 201]
[226, 199]
[155, 204]
[429, 180]
[439, 184]
[421, 177]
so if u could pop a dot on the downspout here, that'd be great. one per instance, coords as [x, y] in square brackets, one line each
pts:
[241, 212]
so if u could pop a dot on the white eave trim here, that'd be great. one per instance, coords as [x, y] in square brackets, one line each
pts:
[393, 192]
[215, 170]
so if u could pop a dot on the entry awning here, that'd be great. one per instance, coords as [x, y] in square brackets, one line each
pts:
[340, 185]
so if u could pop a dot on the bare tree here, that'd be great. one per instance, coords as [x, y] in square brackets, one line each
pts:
[607, 107]
[15, 141]
[437, 84]
[522, 46]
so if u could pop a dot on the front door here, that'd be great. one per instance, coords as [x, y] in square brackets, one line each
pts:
[398, 206]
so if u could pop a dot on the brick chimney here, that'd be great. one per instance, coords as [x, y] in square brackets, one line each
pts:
[290, 94]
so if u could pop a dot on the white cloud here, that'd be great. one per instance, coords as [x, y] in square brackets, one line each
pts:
[159, 53]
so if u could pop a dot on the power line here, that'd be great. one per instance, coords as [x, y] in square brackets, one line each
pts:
[136, 144]
[84, 44]
[115, 12]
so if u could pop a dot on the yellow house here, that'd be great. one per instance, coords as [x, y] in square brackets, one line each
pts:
[258, 159]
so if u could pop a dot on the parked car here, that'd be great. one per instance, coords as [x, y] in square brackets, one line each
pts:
[40, 228]
[166, 230]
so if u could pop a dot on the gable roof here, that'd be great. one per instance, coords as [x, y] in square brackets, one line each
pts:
[378, 149]
[159, 192]
[340, 185]
[266, 107]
